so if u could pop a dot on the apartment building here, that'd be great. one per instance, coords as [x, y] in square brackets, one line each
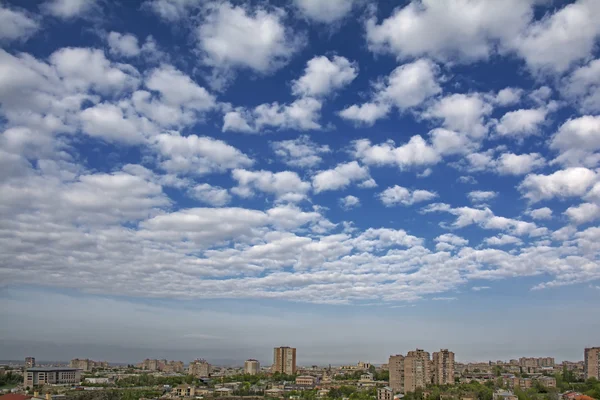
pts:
[417, 370]
[306, 380]
[199, 368]
[591, 359]
[251, 367]
[86, 364]
[51, 376]
[184, 390]
[284, 360]
[443, 367]
[385, 393]
[396, 369]
[29, 362]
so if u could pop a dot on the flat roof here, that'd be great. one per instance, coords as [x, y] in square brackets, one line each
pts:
[49, 369]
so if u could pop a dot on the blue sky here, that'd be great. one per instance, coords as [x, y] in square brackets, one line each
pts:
[351, 177]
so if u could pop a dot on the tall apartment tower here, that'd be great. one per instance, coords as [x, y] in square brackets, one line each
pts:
[29, 362]
[284, 360]
[396, 368]
[251, 367]
[417, 370]
[199, 368]
[443, 367]
[591, 359]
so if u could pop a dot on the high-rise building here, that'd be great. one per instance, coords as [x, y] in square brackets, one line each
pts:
[284, 360]
[29, 362]
[417, 370]
[396, 368]
[591, 359]
[443, 367]
[251, 367]
[199, 368]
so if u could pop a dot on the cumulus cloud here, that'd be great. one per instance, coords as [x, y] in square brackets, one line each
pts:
[285, 185]
[577, 140]
[341, 176]
[123, 44]
[519, 164]
[481, 196]
[349, 202]
[540, 213]
[503, 240]
[301, 152]
[325, 12]
[416, 152]
[16, 24]
[232, 37]
[68, 9]
[198, 155]
[464, 113]
[508, 96]
[407, 86]
[323, 75]
[211, 195]
[582, 86]
[395, 195]
[570, 182]
[583, 213]
[521, 123]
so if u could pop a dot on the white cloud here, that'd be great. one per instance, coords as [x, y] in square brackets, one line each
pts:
[172, 10]
[540, 213]
[323, 76]
[16, 25]
[583, 213]
[341, 176]
[325, 12]
[479, 288]
[503, 240]
[467, 180]
[480, 196]
[583, 87]
[123, 44]
[570, 182]
[67, 9]
[302, 114]
[448, 30]
[508, 96]
[211, 195]
[111, 122]
[349, 202]
[301, 152]
[178, 89]
[558, 40]
[407, 86]
[198, 155]
[519, 164]
[416, 152]
[464, 113]
[257, 38]
[285, 186]
[395, 195]
[521, 123]
[576, 140]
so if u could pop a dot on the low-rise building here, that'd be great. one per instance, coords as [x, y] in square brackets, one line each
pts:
[51, 376]
[504, 395]
[306, 380]
[385, 393]
[184, 390]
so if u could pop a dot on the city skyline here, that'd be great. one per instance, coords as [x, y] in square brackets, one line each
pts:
[353, 178]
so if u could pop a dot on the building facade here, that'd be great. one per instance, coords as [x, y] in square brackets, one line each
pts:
[591, 360]
[385, 393]
[443, 367]
[199, 368]
[306, 380]
[36, 376]
[396, 369]
[417, 370]
[284, 360]
[86, 364]
[29, 362]
[251, 367]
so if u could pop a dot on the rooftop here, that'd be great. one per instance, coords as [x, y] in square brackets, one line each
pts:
[49, 369]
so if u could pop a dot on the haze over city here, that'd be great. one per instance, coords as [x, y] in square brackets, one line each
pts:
[353, 178]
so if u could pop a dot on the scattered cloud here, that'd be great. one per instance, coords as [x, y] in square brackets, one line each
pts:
[400, 195]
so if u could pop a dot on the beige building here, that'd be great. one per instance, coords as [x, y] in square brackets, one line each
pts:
[591, 359]
[184, 390]
[396, 368]
[306, 380]
[199, 368]
[284, 360]
[443, 367]
[385, 393]
[417, 370]
[29, 362]
[251, 367]
[86, 364]
[51, 376]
